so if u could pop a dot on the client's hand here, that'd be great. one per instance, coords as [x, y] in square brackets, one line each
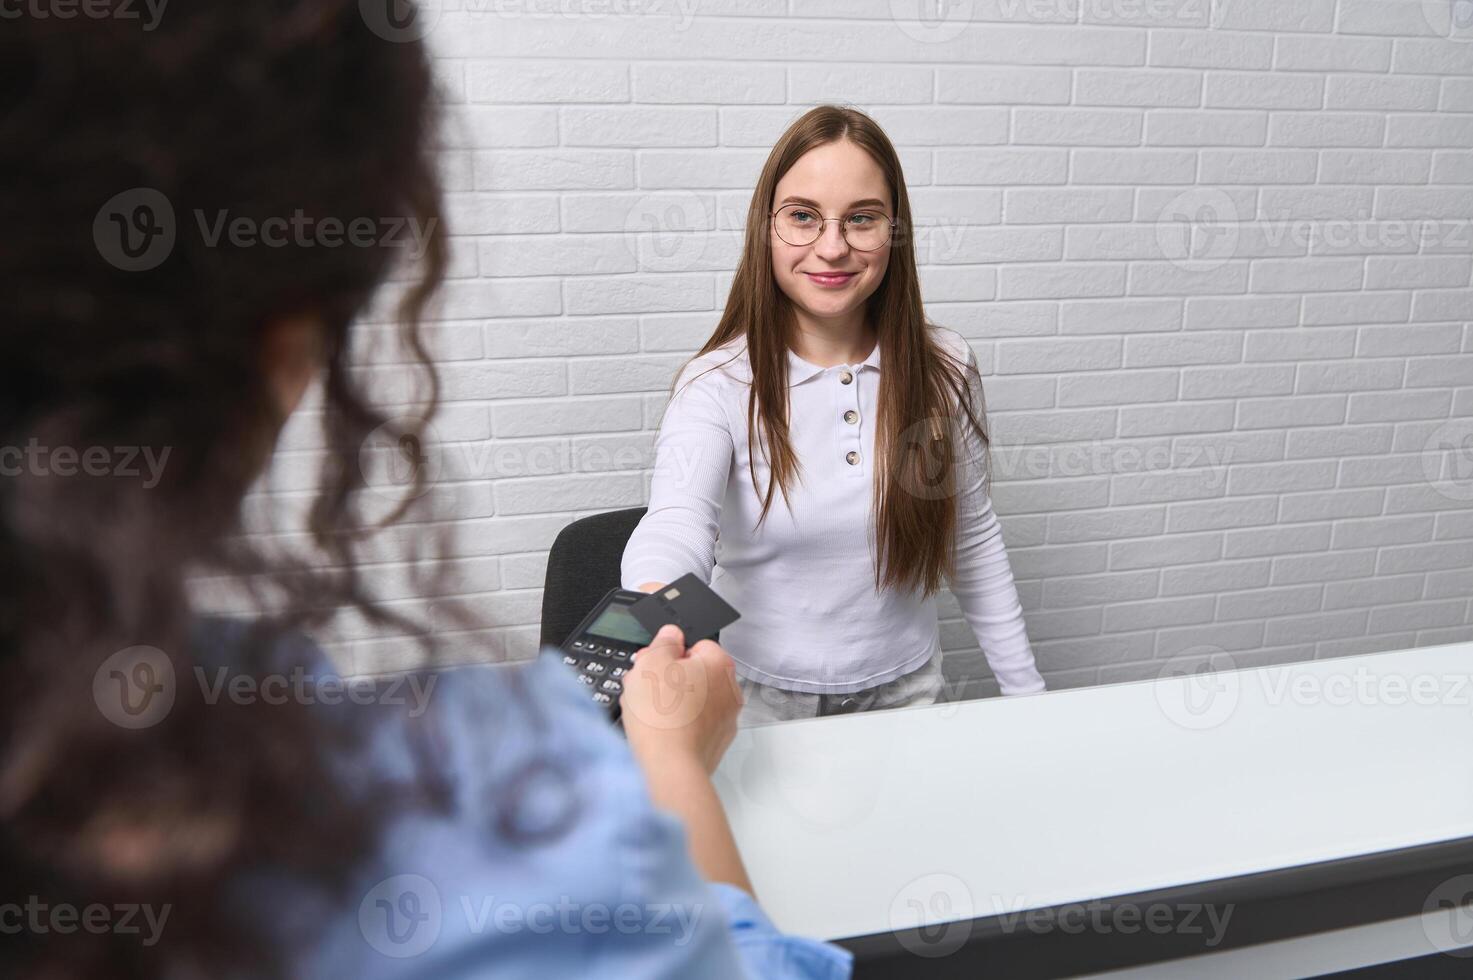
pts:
[652, 586]
[680, 706]
[680, 715]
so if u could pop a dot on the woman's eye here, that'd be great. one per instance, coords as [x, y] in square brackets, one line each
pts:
[860, 219]
[801, 215]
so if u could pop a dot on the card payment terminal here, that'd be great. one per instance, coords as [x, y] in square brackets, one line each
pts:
[602, 648]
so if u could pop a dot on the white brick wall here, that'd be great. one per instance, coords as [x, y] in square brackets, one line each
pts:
[1225, 371]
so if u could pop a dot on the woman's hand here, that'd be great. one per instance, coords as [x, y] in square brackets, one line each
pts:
[652, 586]
[679, 706]
[680, 714]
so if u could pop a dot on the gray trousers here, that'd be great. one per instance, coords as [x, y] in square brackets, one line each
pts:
[766, 704]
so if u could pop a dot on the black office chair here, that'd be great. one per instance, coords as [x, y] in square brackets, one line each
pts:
[582, 567]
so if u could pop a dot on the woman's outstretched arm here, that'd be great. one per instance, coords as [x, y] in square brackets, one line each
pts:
[693, 457]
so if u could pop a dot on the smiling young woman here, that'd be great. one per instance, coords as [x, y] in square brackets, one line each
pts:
[823, 380]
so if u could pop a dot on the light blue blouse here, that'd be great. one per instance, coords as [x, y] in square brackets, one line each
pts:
[611, 891]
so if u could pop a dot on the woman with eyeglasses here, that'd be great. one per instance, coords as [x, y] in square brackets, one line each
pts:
[197, 214]
[822, 461]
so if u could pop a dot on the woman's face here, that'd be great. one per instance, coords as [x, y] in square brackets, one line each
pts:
[834, 180]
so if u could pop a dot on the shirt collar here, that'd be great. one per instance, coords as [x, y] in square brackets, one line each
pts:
[800, 370]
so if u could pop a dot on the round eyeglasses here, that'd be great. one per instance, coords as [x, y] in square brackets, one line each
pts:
[799, 224]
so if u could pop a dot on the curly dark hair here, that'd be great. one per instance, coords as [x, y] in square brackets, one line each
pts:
[255, 108]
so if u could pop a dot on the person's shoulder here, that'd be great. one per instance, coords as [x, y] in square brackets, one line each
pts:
[719, 367]
[953, 344]
[963, 358]
[529, 750]
[503, 730]
[538, 689]
[716, 377]
[544, 814]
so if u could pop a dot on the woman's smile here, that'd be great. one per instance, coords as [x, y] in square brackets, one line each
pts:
[831, 280]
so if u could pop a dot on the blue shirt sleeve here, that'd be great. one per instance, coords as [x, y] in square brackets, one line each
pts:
[610, 893]
[730, 935]
[766, 952]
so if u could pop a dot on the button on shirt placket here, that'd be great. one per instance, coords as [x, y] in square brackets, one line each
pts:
[848, 422]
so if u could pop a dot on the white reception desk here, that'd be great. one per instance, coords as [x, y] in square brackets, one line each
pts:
[1312, 813]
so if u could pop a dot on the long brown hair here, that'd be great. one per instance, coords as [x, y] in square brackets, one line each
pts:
[251, 107]
[917, 453]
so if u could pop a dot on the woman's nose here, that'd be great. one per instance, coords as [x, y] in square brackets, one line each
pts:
[831, 241]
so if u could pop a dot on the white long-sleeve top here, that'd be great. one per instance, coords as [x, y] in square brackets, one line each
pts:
[811, 617]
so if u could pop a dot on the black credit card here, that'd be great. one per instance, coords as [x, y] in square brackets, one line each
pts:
[688, 603]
